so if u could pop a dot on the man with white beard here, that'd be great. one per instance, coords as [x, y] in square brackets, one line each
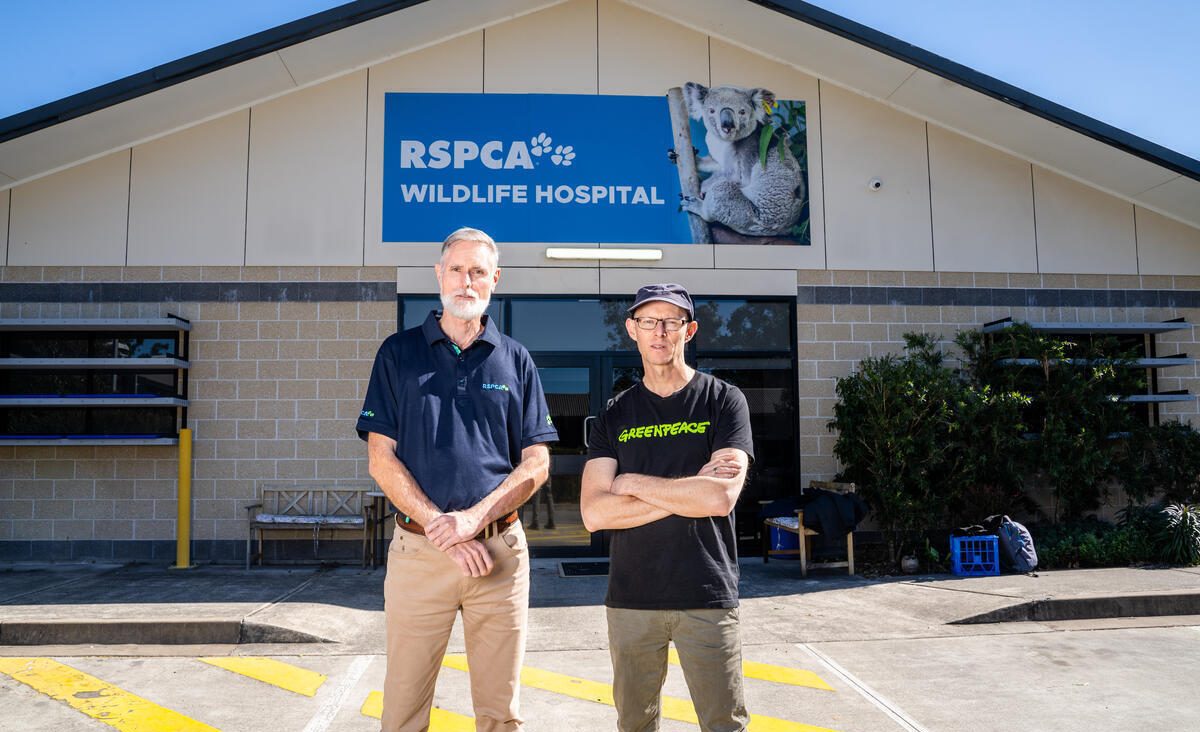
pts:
[456, 425]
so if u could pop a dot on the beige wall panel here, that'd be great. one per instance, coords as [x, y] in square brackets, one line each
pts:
[513, 280]
[1080, 229]
[305, 198]
[641, 53]
[1165, 246]
[864, 229]
[773, 34]
[553, 281]
[1179, 196]
[957, 107]
[171, 108]
[679, 256]
[533, 254]
[982, 207]
[736, 66]
[552, 51]
[453, 66]
[4, 198]
[416, 280]
[187, 202]
[396, 32]
[701, 281]
[76, 217]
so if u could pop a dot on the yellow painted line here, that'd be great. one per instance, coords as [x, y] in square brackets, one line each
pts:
[777, 674]
[97, 699]
[440, 720]
[680, 710]
[269, 671]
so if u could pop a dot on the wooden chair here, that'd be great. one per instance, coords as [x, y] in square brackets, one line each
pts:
[795, 525]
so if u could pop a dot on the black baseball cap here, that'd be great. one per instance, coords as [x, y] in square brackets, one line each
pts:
[667, 292]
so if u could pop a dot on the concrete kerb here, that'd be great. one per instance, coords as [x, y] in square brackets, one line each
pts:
[179, 631]
[342, 608]
[1092, 608]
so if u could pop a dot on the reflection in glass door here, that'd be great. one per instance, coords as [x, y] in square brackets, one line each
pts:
[552, 519]
[577, 388]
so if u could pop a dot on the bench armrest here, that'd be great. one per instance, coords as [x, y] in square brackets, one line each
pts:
[253, 506]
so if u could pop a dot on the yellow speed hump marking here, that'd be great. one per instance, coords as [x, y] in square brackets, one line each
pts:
[776, 674]
[680, 710]
[440, 720]
[97, 699]
[269, 671]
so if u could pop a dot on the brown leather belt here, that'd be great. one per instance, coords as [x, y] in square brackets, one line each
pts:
[495, 528]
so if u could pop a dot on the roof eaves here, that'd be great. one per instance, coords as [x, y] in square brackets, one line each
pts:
[986, 85]
[198, 64]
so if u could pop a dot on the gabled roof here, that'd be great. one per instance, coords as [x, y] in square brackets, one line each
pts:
[833, 48]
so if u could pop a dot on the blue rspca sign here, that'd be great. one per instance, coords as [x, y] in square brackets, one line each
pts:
[558, 168]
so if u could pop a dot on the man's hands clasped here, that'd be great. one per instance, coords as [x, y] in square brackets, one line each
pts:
[454, 533]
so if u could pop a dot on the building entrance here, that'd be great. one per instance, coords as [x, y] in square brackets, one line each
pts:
[584, 357]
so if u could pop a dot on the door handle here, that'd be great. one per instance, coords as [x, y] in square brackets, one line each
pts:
[587, 421]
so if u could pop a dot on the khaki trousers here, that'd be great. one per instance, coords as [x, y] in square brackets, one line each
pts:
[423, 591]
[710, 653]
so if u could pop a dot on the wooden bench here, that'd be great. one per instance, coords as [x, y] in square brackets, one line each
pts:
[316, 507]
[795, 525]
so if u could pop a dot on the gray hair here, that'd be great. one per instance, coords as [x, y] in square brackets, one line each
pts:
[466, 233]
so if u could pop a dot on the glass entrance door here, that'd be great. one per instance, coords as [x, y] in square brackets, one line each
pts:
[577, 388]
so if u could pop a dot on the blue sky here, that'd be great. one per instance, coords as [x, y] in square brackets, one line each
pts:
[1133, 65]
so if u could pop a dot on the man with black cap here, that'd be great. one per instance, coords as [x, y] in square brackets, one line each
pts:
[666, 463]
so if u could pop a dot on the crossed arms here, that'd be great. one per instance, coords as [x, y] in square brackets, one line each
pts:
[611, 501]
[454, 532]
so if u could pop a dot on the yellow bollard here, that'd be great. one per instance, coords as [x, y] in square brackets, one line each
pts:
[183, 519]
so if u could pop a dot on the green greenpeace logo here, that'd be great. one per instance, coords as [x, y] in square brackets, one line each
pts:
[663, 430]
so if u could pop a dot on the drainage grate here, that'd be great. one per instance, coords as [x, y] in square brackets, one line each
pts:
[582, 569]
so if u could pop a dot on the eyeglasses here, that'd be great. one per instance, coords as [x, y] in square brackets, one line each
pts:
[671, 324]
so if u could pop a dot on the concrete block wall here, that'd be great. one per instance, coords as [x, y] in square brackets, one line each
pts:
[275, 389]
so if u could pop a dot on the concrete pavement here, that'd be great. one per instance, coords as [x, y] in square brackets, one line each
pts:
[895, 653]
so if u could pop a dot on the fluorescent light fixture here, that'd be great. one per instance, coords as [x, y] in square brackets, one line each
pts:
[632, 255]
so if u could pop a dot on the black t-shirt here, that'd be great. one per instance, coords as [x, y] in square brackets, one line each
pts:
[675, 563]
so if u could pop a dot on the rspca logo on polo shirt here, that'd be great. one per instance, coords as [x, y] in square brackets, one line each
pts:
[496, 387]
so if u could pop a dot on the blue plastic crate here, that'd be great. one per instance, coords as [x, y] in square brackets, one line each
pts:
[974, 556]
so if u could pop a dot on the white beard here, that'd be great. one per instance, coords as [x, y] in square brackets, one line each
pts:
[464, 311]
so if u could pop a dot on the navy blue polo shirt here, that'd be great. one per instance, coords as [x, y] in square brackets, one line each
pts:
[459, 418]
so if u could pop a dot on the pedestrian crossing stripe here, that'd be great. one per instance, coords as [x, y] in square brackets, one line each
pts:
[440, 720]
[269, 671]
[97, 699]
[776, 674]
[680, 710]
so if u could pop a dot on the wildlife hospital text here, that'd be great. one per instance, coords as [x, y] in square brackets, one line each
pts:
[506, 193]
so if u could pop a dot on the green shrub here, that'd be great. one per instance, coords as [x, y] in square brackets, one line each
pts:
[1164, 459]
[1093, 543]
[1179, 539]
[895, 419]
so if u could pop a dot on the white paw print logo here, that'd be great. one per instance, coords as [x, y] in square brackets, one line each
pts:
[540, 144]
[563, 155]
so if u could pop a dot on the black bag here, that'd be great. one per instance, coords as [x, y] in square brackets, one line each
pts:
[1016, 544]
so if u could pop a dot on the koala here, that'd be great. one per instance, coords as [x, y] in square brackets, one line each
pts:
[741, 193]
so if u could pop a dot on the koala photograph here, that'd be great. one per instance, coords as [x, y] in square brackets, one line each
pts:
[751, 156]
